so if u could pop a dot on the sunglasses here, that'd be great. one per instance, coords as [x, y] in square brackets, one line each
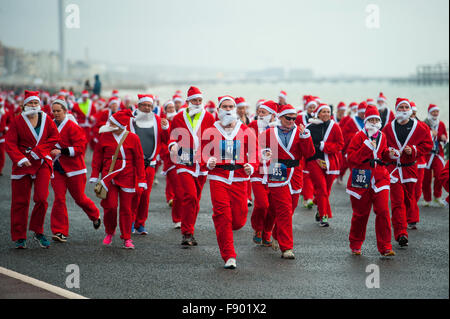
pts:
[288, 118]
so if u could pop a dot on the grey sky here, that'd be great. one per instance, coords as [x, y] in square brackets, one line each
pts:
[329, 36]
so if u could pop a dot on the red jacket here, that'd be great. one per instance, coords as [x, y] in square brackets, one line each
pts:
[72, 137]
[181, 132]
[215, 136]
[128, 172]
[349, 129]
[359, 153]
[429, 158]
[419, 139]
[23, 143]
[84, 120]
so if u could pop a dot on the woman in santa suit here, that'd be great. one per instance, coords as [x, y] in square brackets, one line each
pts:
[324, 166]
[368, 184]
[411, 141]
[69, 173]
[30, 138]
[128, 174]
[232, 156]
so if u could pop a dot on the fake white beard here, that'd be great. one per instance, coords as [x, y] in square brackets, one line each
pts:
[31, 110]
[434, 120]
[264, 121]
[194, 109]
[227, 117]
[382, 107]
[402, 116]
[275, 123]
[314, 120]
[145, 120]
[171, 115]
[372, 129]
[107, 128]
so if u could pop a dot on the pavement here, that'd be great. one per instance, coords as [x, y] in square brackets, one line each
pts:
[159, 268]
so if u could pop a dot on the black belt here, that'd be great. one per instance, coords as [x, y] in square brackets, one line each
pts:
[401, 164]
[230, 167]
[289, 163]
[373, 161]
[147, 163]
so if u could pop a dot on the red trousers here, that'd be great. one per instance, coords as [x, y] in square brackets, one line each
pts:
[118, 198]
[2, 156]
[20, 203]
[361, 211]
[263, 216]
[404, 207]
[418, 187]
[280, 198]
[170, 193]
[249, 191]
[177, 195]
[190, 188]
[59, 220]
[141, 200]
[308, 188]
[322, 183]
[229, 213]
[295, 198]
[435, 170]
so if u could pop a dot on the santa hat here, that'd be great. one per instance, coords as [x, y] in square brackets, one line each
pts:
[286, 109]
[381, 97]
[317, 99]
[121, 118]
[305, 98]
[362, 106]
[177, 97]
[113, 100]
[210, 105]
[310, 100]
[413, 106]
[432, 107]
[85, 93]
[370, 102]
[167, 103]
[320, 107]
[401, 100]
[45, 94]
[61, 102]
[193, 93]
[353, 106]
[30, 96]
[63, 93]
[224, 98]
[115, 93]
[240, 101]
[270, 106]
[341, 106]
[145, 98]
[283, 94]
[258, 104]
[371, 112]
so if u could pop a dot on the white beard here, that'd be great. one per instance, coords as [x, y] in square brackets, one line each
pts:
[107, 128]
[434, 121]
[29, 110]
[227, 117]
[372, 129]
[171, 115]
[315, 121]
[194, 109]
[402, 116]
[145, 120]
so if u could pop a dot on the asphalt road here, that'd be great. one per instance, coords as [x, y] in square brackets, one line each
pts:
[160, 268]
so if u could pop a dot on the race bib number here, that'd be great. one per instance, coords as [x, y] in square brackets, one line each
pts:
[185, 156]
[230, 150]
[361, 178]
[277, 172]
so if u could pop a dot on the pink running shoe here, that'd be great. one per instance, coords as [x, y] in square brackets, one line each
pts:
[128, 244]
[108, 240]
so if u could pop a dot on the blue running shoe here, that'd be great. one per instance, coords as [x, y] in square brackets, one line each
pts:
[141, 230]
[21, 244]
[43, 242]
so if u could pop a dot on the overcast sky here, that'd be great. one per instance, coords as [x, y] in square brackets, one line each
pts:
[328, 36]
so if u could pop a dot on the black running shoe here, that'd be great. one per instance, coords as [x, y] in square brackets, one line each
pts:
[97, 223]
[188, 240]
[403, 241]
[59, 237]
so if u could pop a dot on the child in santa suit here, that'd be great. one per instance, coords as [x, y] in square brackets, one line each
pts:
[186, 150]
[69, 173]
[411, 141]
[128, 174]
[231, 149]
[368, 184]
[324, 166]
[434, 159]
[30, 138]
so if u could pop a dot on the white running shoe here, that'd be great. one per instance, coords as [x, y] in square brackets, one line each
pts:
[288, 254]
[177, 225]
[426, 204]
[275, 245]
[438, 202]
[230, 264]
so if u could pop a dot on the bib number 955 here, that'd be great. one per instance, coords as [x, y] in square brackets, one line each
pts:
[246, 308]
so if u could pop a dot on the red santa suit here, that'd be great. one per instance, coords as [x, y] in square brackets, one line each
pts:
[5, 119]
[70, 174]
[228, 179]
[128, 174]
[27, 143]
[435, 159]
[328, 146]
[159, 135]
[190, 167]
[444, 180]
[368, 185]
[284, 160]
[404, 171]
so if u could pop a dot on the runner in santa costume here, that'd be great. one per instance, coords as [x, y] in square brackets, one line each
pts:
[5, 119]
[286, 145]
[84, 112]
[282, 98]
[368, 184]
[30, 138]
[186, 150]
[152, 132]
[435, 159]
[262, 219]
[232, 156]
[386, 114]
[340, 112]
[323, 166]
[102, 117]
[69, 173]
[411, 141]
[444, 181]
[128, 174]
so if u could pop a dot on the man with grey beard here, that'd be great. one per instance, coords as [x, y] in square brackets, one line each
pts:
[152, 132]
